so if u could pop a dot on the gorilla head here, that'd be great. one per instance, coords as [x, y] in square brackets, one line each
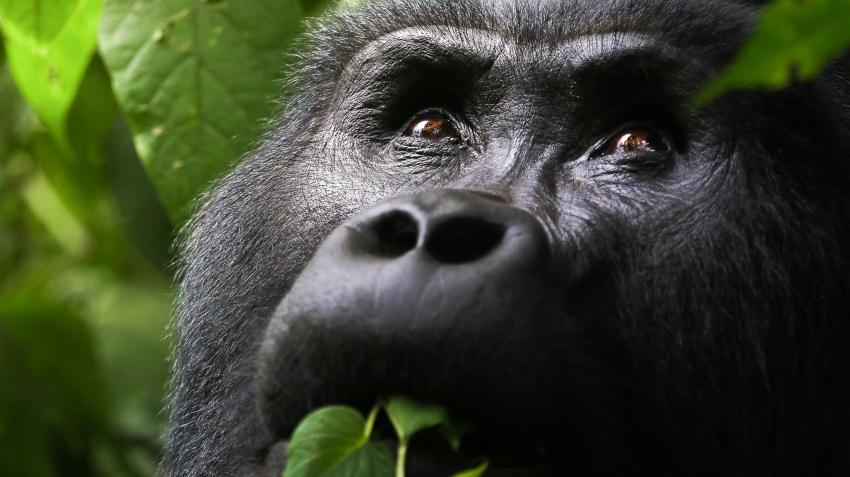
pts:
[508, 208]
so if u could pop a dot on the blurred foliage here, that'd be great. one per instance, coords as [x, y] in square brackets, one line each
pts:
[87, 222]
[114, 114]
[793, 41]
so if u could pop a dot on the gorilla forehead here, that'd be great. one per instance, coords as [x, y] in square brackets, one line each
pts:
[474, 49]
[683, 23]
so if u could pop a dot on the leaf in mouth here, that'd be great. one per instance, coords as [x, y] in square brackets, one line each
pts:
[335, 440]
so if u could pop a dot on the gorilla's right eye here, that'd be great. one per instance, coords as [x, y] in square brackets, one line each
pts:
[634, 140]
[433, 126]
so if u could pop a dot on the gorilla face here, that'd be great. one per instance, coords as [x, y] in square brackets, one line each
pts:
[511, 210]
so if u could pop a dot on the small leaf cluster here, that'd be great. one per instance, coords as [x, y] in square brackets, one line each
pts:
[337, 440]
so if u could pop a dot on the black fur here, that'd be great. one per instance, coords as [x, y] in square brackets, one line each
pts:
[706, 300]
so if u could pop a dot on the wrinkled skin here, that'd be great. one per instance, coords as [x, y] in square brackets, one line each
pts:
[626, 284]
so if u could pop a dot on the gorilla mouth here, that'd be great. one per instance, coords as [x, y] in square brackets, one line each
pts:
[507, 423]
[430, 455]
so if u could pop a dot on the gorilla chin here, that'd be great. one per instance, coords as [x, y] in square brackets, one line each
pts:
[511, 209]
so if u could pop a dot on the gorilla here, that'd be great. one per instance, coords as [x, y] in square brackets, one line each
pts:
[513, 209]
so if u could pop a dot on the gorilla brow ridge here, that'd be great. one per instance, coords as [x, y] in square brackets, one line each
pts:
[331, 42]
[334, 40]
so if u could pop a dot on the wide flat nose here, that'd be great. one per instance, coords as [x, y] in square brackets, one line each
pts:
[448, 227]
[403, 283]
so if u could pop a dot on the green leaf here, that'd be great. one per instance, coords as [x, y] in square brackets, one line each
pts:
[41, 20]
[793, 40]
[334, 441]
[475, 471]
[194, 79]
[409, 417]
[49, 45]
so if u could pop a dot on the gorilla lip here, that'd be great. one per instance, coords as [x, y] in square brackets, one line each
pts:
[429, 456]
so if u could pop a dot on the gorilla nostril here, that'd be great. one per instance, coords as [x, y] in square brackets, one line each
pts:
[397, 234]
[463, 239]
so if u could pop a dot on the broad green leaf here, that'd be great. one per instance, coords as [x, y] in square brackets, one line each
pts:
[49, 45]
[409, 417]
[793, 40]
[334, 441]
[475, 471]
[195, 79]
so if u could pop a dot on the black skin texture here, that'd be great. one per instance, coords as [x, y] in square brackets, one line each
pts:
[681, 310]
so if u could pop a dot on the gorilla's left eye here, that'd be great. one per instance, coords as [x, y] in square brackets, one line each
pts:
[434, 127]
[634, 140]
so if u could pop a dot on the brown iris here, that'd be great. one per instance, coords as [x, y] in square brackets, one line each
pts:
[434, 128]
[634, 141]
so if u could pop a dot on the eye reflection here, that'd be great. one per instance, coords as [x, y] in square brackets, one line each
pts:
[433, 127]
[634, 141]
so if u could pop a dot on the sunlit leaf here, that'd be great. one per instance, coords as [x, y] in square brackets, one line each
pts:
[793, 40]
[195, 79]
[40, 20]
[49, 45]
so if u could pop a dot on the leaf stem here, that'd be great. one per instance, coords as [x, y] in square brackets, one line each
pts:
[370, 421]
[401, 457]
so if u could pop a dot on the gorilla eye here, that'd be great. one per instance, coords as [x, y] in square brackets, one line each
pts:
[637, 140]
[433, 127]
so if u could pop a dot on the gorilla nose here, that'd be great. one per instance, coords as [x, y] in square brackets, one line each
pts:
[439, 228]
[398, 287]
[462, 234]
[454, 250]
